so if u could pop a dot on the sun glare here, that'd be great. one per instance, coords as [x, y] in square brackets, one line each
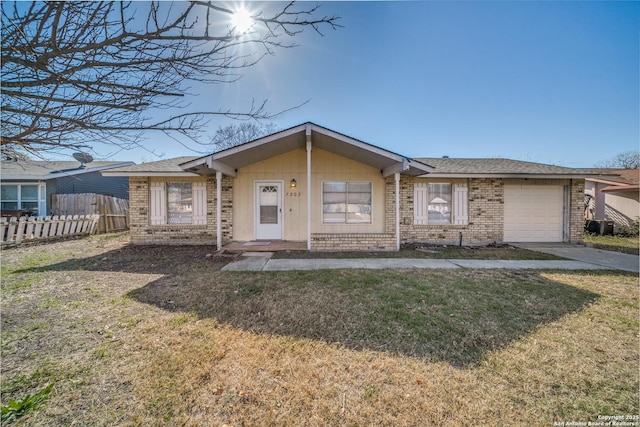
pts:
[241, 20]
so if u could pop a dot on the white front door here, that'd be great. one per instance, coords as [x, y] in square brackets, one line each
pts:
[268, 212]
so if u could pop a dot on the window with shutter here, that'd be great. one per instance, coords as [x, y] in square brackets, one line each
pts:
[200, 203]
[439, 205]
[460, 204]
[178, 203]
[420, 203]
[158, 203]
[434, 203]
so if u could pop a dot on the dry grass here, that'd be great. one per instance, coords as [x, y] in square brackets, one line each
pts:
[159, 336]
[617, 243]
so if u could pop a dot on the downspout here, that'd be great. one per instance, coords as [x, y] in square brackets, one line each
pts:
[219, 211]
[308, 133]
[397, 179]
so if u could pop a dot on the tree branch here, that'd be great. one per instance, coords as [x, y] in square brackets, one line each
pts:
[74, 72]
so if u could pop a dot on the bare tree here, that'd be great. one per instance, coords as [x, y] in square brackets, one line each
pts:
[78, 72]
[626, 160]
[236, 134]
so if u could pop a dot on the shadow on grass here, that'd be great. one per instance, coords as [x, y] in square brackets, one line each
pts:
[456, 316]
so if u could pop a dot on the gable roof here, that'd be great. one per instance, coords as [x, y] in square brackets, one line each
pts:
[230, 160]
[446, 167]
[625, 180]
[32, 170]
[167, 167]
[617, 176]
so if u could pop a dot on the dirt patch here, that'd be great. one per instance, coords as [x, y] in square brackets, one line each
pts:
[501, 251]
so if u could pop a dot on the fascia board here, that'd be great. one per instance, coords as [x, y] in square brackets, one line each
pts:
[502, 175]
[249, 145]
[363, 145]
[87, 170]
[107, 173]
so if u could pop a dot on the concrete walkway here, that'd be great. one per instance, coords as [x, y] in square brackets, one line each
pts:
[261, 261]
[607, 259]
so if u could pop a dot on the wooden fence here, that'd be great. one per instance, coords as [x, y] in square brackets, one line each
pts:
[114, 212]
[15, 231]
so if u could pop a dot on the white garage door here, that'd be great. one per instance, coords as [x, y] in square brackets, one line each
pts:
[533, 213]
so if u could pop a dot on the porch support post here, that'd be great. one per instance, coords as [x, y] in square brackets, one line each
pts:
[222, 167]
[308, 133]
[219, 211]
[397, 179]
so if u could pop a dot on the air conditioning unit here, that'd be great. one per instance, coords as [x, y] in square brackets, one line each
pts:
[606, 228]
[601, 226]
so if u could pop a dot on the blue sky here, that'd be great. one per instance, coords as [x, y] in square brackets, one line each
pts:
[549, 82]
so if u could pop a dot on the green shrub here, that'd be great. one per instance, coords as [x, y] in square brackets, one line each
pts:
[632, 230]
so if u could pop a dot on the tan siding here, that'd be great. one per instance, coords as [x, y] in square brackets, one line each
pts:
[325, 166]
[285, 167]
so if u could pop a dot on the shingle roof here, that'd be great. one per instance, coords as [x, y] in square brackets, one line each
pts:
[43, 170]
[166, 167]
[442, 165]
[496, 166]
[625, 176]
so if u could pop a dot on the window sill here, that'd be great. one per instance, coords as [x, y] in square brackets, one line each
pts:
[342, 224]
[160, 226]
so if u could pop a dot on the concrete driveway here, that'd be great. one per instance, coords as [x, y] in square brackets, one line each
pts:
[608, 259]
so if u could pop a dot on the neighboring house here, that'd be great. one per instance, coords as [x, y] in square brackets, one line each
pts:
[27, 185]
[334, 192]
[613, 195]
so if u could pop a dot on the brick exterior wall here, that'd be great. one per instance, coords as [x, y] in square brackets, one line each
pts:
[576, 226]
[227, 208]
[142, 232]
[322, 242]
[485, 212]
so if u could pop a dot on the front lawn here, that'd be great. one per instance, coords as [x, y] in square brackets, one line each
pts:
[159, 336]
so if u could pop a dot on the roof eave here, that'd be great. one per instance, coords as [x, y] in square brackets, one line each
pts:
[142, 173]
[608, 181]
[87, 170]
[621, 188]
[503, 175]
[26, 178]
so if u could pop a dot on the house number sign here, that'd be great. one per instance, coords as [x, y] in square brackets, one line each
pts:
[293, 194]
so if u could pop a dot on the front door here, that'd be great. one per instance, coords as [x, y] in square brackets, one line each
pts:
[268, 216]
